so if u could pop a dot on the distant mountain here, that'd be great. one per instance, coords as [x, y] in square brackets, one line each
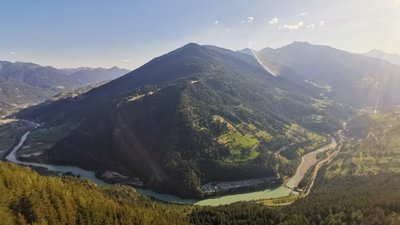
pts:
[352, 79]
[23, 84]
[88, 76]
[393, 58]
[195, 115]
[247, 51]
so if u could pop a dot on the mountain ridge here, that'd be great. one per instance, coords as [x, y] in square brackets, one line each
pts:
[342, 71]
[203, 114]
[390, 57]
[24, 84]
[194, 115]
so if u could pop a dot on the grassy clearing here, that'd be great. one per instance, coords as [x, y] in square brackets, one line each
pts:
[44, 138]
[378, 150]
[300, 136]
[280, 201]
[244, 140]
[320, 104]
[241, 140]
[264, 135]
[242, 146]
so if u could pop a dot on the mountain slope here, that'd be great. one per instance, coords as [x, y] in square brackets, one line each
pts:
[23, 84]
[393, 58]
[348, 78]
[195, 115]
[88, 76]
[28, 198]
[14, 95]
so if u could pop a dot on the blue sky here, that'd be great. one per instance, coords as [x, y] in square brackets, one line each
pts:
[72, 33]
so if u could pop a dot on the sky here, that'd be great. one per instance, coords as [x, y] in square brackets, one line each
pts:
[128, 33]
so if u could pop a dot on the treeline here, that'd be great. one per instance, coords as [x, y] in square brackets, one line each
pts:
[28, 198]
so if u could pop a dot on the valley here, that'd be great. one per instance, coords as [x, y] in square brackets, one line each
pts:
[285, 190]
[26, 84]
[372, 199]
[171, 139]
[200, 112]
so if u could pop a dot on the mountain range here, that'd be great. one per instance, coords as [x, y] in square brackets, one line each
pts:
[376, 53]
[23, 84]
[351, 79]
[204, 114]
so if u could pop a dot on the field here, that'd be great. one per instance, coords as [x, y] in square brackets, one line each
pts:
[9, 132]
[245, 141]
[240, 140]
[375, 148]
[45, 137]
[280, 201]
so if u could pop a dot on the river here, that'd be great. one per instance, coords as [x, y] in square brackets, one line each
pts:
[308, 160]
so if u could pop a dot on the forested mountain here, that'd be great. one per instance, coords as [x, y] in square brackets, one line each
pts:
[195, 115]
[205, 114]
[28, 198]
[360, 185]
[23, 84]
[202, 114]
[352, 79]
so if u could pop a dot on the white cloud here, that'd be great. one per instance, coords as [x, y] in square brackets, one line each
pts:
[292, 26]
[273, 21]
[311, 26]
[321, 23]
[303, 14]
[216, 22]
[248, 20]
[13, 53]
[126, 60]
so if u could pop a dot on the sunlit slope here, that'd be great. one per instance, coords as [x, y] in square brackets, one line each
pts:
[374, 149]
[352, 79]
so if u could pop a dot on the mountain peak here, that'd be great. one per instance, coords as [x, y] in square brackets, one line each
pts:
[375, 51]
[191, 44]
[247, 51]
[190, 48]
[300, 43]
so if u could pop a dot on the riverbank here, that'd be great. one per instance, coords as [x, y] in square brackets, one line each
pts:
[308, 160]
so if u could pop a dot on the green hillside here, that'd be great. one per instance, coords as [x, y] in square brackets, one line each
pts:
[375, 148]
[360, 186]
[28, 198]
